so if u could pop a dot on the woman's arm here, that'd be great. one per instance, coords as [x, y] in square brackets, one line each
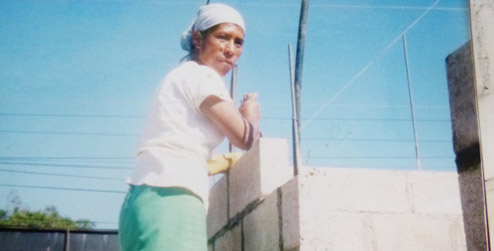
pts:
[241, 126]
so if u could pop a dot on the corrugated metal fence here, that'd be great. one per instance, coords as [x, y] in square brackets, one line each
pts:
[15, 239]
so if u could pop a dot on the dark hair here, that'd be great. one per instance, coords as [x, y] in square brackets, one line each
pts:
[204, 34]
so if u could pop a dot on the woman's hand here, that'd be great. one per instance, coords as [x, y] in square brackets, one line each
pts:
[250, 108]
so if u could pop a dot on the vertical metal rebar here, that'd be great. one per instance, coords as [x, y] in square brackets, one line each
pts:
[295, 120]
[299, 62]
[233, 85]
[412, 107]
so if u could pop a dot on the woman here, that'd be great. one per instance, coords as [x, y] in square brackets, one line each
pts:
[191, 113]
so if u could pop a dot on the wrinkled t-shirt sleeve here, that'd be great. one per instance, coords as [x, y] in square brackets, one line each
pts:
[209, 83]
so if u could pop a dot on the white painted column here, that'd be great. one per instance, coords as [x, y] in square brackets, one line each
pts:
[482, 21]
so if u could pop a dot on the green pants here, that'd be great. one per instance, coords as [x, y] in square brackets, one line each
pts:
[162, 219]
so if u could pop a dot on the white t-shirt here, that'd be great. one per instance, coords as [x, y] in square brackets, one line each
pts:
[178, 139]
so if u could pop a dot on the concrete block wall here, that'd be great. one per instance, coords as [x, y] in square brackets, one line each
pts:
[260, 206]
[244, 202]
[363, 209]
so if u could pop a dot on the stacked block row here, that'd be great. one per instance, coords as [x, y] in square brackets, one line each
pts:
[243, 213]
[363, 209]
[259, 206]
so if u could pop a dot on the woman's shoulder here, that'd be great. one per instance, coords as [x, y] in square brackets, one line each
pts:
[192, 68]
[192, 73]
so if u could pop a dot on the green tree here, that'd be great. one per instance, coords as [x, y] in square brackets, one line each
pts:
[3, 214]
[49, 218]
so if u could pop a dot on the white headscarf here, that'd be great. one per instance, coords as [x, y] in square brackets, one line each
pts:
[209, 16]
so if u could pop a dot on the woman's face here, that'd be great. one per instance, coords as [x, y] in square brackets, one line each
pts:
[220, 48]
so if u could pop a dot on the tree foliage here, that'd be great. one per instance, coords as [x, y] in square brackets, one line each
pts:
[49, 218]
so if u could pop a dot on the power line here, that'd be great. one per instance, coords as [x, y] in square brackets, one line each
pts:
[70, 133]
[60, 175]
[62, 165]
[145, 1]
[349, 6]
[64, 188]
[69, 115]
[366, 67]
[392, 7]
[351, 106]
[382, 106]
[266, 118]
[376, 157]
[333, 6]
[64, 158]
[376, 140]
[395, 167]
[362, 119]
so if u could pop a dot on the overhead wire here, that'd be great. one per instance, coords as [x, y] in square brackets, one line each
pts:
[132, 116]
[125, 161]
[390, 7]
[363, 119]
[375, 140]
[368, 65]
[384, 106]
[377, 157]
[264, 4]
[64, 188]
[62, 165]
[60, 175]
[266, 118]
[144, 1]
[66, 115]
[69, 133]
[65, 158]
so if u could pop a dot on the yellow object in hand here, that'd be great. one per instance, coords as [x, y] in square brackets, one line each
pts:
[222, 162]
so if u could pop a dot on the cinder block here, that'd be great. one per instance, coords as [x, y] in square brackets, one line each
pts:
[231, 241]
[261, 226]
[218, 207]
[258, 173]
[434, 192]
[290, 208]
[350, 189]
[337, 231]
[414, 232]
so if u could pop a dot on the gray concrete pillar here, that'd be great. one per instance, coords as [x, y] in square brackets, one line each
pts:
[466, 145]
